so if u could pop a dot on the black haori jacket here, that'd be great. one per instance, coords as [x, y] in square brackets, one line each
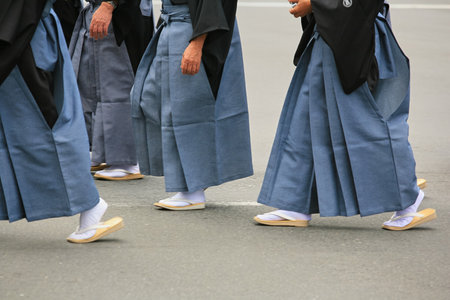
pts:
[18, 21]
[67, 12]
[347, 26]
[216, 18]
[133, 28]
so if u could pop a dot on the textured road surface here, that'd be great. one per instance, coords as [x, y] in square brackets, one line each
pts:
[219, 253]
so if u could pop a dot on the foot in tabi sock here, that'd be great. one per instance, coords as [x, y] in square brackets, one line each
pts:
[119, 172]
[283, 218]
[184, 201]
[91, 229]
[409, 217]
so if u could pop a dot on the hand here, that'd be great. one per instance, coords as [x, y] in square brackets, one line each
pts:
[192, 56]
[101, 20]
[302, 8]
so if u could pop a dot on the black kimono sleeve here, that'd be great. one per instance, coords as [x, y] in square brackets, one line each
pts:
[18, 22]
[216, 18]
[67, 12]
[348, 28]
[133, 28]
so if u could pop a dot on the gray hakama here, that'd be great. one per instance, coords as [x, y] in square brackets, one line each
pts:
[181, 130]
[44, 172]
[343, 154]
[105, 77]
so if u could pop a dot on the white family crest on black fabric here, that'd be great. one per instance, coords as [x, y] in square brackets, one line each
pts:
[347, 3]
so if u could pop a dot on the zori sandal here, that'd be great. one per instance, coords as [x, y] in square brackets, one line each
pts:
[419, 218]
[286, 220]
[101, 230]
[190, 204]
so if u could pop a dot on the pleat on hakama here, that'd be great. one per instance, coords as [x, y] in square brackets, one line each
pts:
[44, 172]
[181, 130]
[343, 154]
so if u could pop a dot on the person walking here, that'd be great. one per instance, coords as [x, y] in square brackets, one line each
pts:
[341, 146]
[189, 104]
[107, 43]
[44, 151]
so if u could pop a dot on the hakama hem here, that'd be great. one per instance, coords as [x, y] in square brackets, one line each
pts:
[32, 218]
[205, 186]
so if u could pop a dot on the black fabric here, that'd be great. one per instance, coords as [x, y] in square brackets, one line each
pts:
[67, 12]
[308, 24]
[133, 28]
[216, 18]
[18, 21]
[349, 31]
[40, 83]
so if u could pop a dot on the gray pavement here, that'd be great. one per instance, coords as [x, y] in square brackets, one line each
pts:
[219, 253]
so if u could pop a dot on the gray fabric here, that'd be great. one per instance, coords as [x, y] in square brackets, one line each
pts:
[105, 78]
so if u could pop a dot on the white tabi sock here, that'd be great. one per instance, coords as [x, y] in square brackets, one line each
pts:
[411, 209]
[292, 214]
[94, 164]
[88, 218]
[194, 197]
[113, 171]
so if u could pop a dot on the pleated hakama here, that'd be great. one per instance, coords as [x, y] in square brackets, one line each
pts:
[105, 77]
[181, 130]
[44, 172]
[343, 154]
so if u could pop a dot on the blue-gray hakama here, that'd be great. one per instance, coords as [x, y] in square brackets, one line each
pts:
[343, 154]
[181, 130]
[105, 77]
[44, 172]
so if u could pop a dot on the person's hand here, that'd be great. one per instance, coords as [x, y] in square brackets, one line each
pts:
[302, 8]
[192, 56]
[101, 20]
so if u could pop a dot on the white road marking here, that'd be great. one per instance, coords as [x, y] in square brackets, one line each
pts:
[394, 6]
[207, 203]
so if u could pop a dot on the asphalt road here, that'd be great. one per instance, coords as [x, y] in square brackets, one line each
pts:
[219, 253]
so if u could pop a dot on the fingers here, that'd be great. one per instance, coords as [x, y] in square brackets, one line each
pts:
[189, 67]
[93, 30]
[98, 30]
[191, 60]
[302, 8]
[103, 30]
[100, 22]
[295, 12]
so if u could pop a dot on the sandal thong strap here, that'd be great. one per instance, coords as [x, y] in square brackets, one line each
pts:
[119, 170]
[394, 218]
[179, 200]
[92, 227]
[281, 215]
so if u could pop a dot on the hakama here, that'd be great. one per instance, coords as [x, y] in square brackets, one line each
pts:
[341, 154]
[105, 77]
[44, 171]
[181, 130]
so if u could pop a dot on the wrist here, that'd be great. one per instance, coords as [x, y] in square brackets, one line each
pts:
[198, 41]
[110, 5]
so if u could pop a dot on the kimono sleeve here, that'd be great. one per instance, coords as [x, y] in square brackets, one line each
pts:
[18, 21]
[347, 26]
[217, 19]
